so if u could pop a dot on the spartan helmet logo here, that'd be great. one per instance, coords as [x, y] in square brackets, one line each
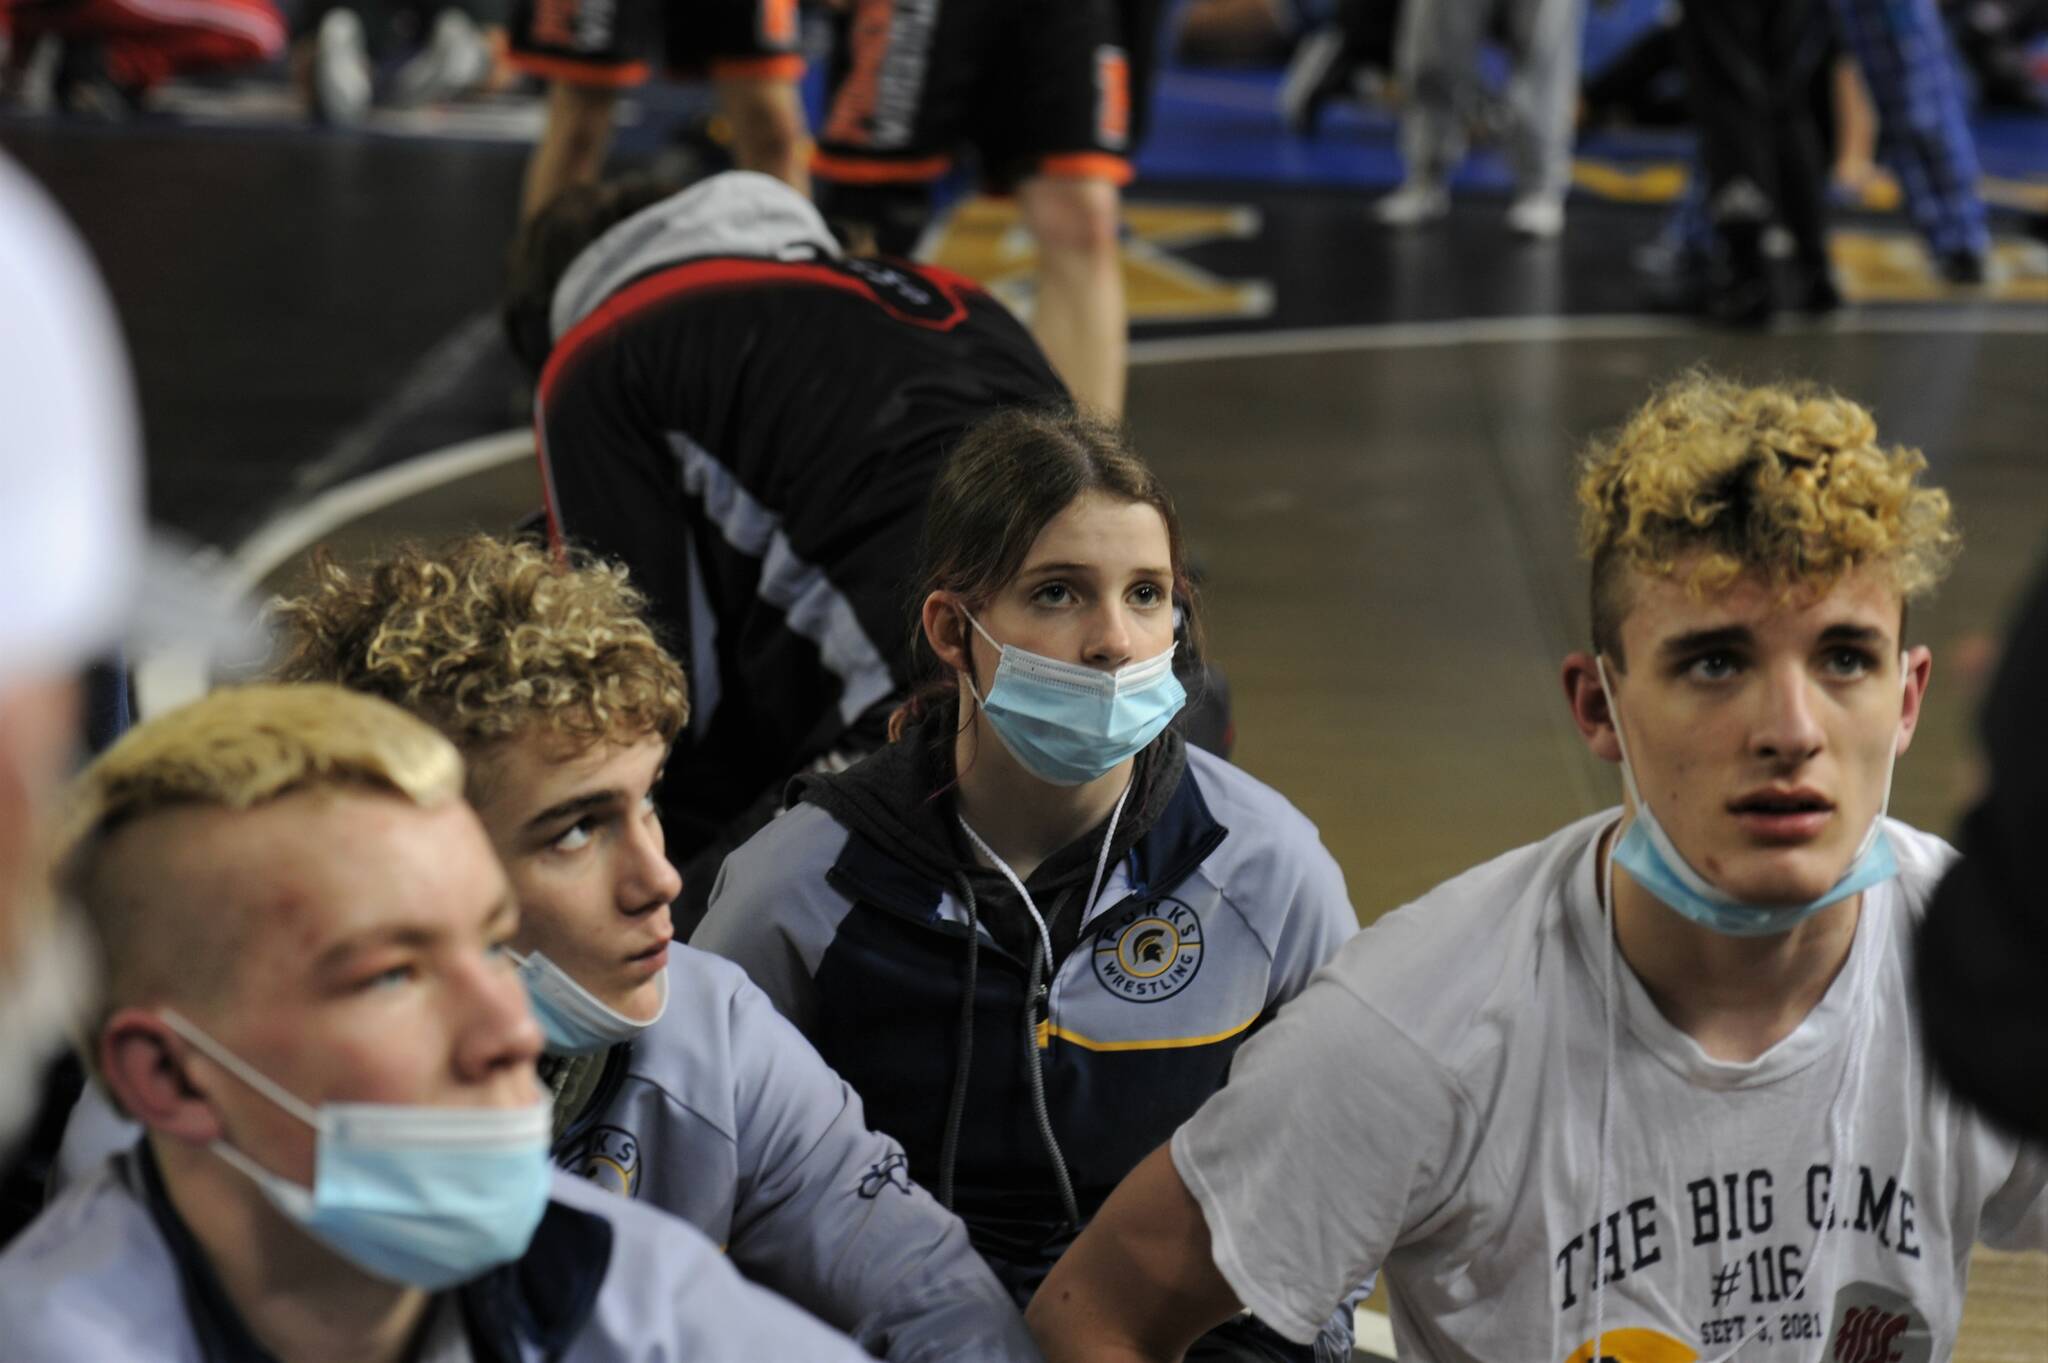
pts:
[1150, 950]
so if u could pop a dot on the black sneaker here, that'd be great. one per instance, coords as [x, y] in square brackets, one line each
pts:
[1964, 269]
[1738, 277]
[1814, 291]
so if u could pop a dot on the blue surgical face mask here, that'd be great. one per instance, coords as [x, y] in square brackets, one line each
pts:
[422, 1196]
[571, 1017]
[1068, 724]
[1653, 861]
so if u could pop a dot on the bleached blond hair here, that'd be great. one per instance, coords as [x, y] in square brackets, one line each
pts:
[488, 639]
[235, 749]
[1784, 481]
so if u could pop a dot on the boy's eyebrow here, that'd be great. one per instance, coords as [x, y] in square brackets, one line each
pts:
[335, 954]
[575, 804]
[409, 936]
[1727, 636]
[1853, 634]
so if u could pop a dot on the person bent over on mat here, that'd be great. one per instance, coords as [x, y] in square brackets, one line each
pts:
[751, 422]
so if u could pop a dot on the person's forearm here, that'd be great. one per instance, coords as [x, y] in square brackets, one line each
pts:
[1138, 1285]
[1077, 1322]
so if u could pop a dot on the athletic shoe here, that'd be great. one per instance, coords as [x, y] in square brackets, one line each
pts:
[341, 70]
[455, 61]
[1412, 205]
[1964, 269]
[1739, 290]
[1538, 216]
[1814, 291]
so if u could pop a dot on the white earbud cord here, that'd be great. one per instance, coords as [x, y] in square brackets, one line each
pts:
[1094, 886]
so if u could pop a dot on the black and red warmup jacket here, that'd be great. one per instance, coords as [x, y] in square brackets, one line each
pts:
[756, 439]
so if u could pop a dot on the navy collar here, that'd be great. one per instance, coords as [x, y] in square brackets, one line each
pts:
[1179, 840]
[543, 1298]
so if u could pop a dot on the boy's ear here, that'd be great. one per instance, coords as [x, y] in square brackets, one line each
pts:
[1591, 713]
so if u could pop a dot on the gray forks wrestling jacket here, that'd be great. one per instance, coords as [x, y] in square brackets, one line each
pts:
[1210, 920]
[723, 1114]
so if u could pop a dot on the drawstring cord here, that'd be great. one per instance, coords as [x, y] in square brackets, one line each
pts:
[1034, 1078]
[956, 1106]
[1040, 973]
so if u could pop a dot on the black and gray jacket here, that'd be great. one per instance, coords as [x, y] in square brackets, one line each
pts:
[867, 921]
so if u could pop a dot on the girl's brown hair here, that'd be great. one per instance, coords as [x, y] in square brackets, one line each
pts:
[1010, 476]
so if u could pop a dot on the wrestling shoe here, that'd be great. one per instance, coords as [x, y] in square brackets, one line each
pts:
[341, 70]
[455, 61]
[1538, 216]
[1414, 204]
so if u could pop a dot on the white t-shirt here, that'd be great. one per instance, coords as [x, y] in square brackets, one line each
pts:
[1430, 1104]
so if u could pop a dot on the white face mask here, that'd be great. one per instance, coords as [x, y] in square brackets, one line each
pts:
[1069, 724]
[573, 1019]
[423, 1196]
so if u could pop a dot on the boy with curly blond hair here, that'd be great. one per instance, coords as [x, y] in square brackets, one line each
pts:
[1651, 1090]
[674, 1080]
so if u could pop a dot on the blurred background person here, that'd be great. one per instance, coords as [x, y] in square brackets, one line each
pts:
[70, 470]
[1984, 946]
[1051, 97]
[110, 54]
[1923, 127]
[591, 51]
[1750, 69]
[452, 47]
[1441, 96]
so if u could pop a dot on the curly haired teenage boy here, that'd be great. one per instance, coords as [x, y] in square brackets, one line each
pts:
[675, 1082]
[1651, 1089]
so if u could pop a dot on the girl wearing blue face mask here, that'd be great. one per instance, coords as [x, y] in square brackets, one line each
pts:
[1033, 930]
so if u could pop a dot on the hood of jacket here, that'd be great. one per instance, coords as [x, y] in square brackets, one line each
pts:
[901, 799]
[739, 213]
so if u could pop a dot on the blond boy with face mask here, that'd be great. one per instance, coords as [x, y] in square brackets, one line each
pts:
[1650, 1090]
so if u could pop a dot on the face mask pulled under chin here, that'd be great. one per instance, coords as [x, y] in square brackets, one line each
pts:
[570, 1016]
[1068, 724]
[424, 1197]
[1654, 862]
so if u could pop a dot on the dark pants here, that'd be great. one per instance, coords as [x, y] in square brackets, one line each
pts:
[1750, 66]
